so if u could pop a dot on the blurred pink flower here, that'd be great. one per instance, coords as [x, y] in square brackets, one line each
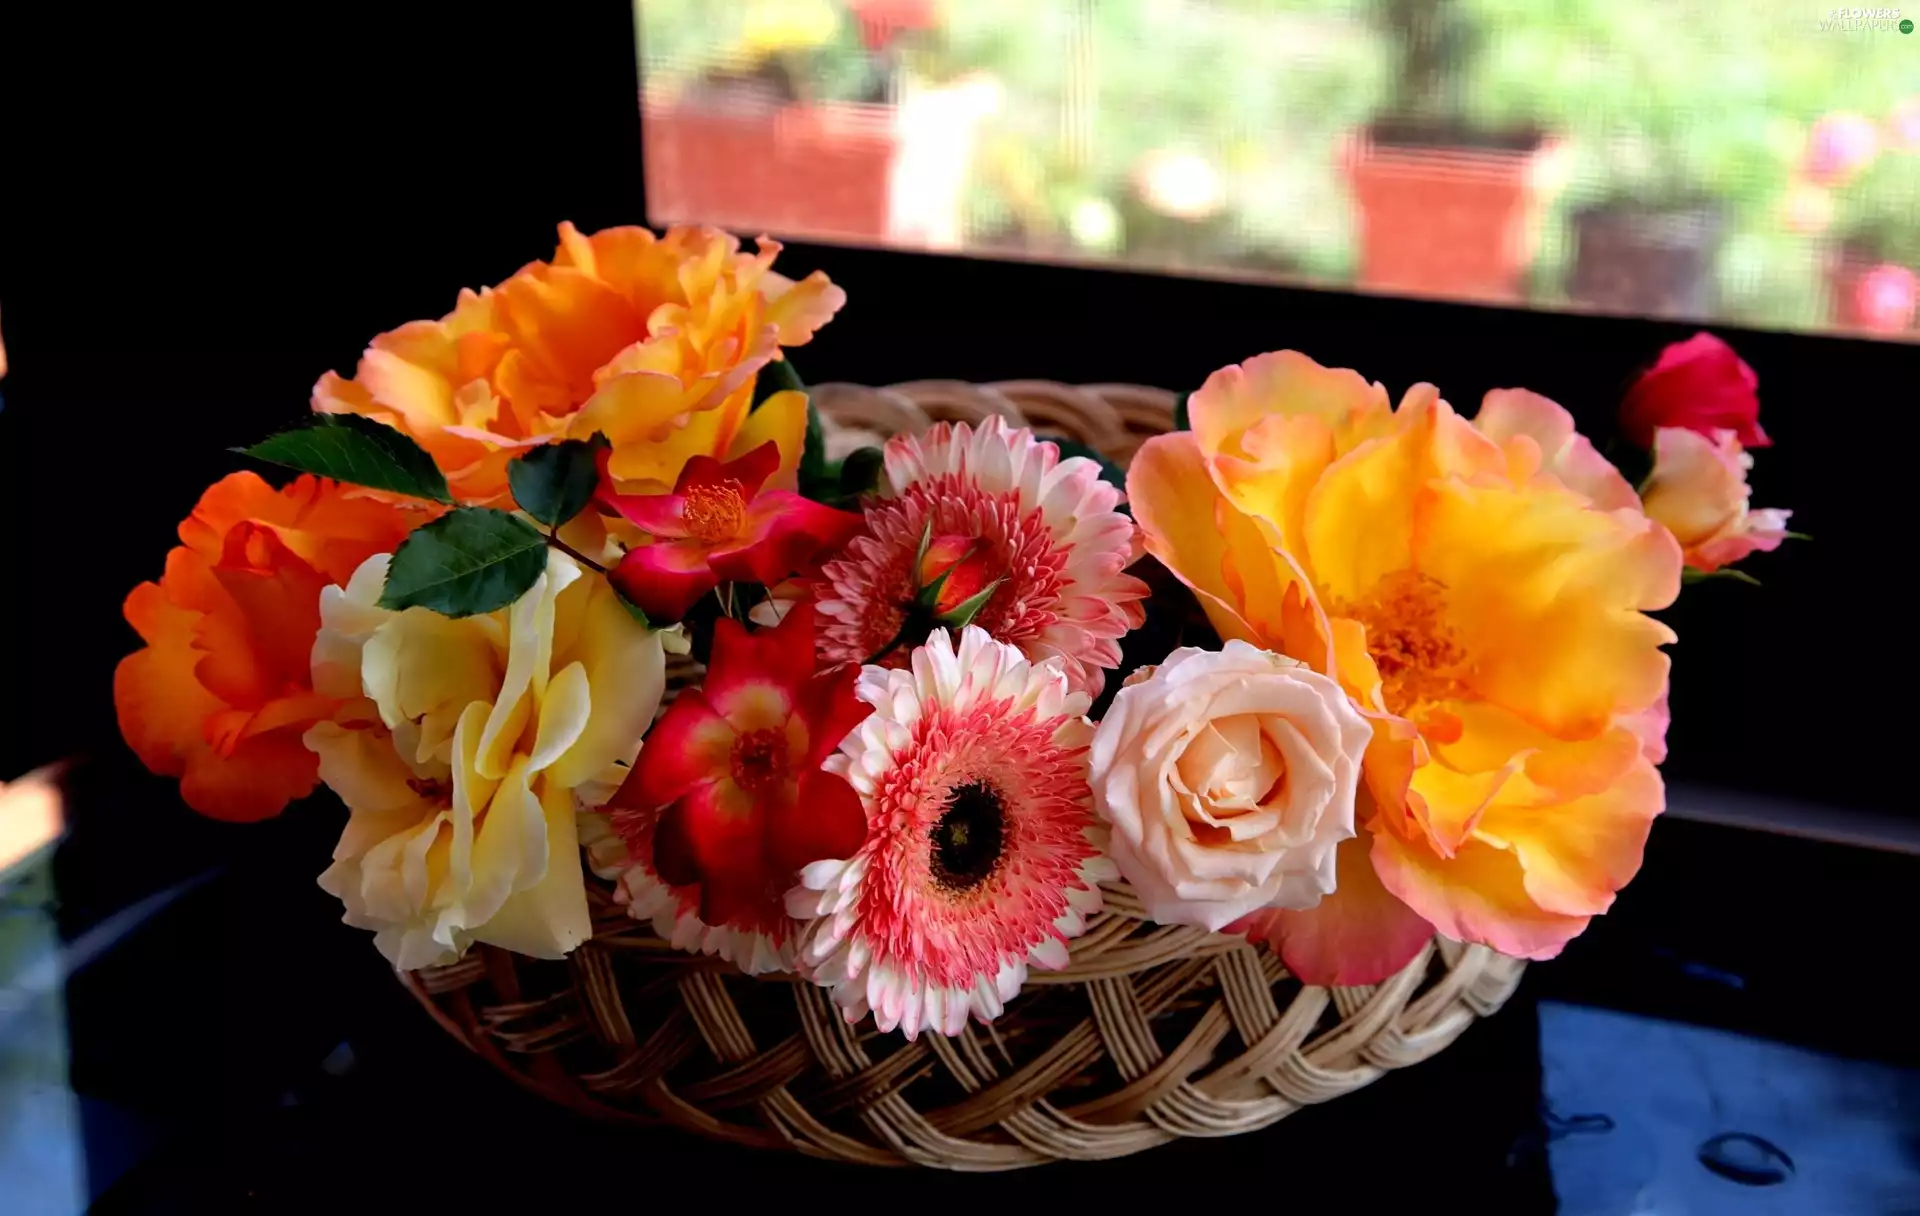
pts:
[1885, 298]
[1840, 146]
[1903, 128]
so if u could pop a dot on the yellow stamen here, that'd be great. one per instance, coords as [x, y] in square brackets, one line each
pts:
[1420, 659]
[715, 511]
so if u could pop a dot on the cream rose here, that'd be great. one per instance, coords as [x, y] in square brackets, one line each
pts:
[1228, 777]
[474, 744]
[1698, 491]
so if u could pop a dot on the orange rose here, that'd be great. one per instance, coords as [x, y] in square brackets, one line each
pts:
[221, 693]
[652, 341]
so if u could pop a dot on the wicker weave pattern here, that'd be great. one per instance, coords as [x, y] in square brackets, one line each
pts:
[1152, 1032]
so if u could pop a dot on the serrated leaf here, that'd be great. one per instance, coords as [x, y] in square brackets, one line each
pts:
[778, 376]
[555, 482]
[1110, 472]
[860, 472]
[1182, 420]
[360, 451]
[470, 560]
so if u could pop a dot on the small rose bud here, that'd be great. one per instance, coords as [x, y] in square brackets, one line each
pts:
[953, 569]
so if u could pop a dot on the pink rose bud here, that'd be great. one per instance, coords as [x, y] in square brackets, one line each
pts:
[1699, 384]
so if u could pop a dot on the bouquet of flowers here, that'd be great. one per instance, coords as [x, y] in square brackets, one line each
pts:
[571, 582]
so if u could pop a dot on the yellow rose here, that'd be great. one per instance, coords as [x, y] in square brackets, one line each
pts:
[1481, 593]
[475, 744]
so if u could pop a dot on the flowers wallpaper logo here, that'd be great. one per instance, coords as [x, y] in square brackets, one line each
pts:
[568, 603]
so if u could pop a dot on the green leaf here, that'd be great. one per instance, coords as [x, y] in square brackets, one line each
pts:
[1110, 472]
[1181, 420]
[819, 477]
[555, 482]
[470, 560]
[860, 472]
[929, 595]
[1796, 536]
[633, 610]
[349, 448]
[776, 377]
[1690, 576]
[961, 614]
[926, 542]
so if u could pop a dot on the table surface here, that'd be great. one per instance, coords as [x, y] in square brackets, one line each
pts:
[184, 1026]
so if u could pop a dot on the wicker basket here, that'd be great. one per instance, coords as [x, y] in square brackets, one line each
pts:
[1152, 1033]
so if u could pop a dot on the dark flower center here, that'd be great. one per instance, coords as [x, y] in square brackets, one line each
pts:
[440, 793]
[759, 760]
[967, 840]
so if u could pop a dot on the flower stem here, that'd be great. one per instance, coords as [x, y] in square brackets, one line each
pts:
[554, 540]
[888, 649]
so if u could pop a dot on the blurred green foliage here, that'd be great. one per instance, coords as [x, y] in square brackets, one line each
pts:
[1660, 103]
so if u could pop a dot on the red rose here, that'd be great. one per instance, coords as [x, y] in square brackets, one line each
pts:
[1699, 384]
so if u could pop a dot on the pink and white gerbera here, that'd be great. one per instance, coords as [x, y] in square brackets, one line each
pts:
[982, 853]
[1049, 530]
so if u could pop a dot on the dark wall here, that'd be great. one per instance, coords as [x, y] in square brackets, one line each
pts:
[199, 218]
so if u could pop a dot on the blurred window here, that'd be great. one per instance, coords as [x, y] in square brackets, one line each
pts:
[1754, 162]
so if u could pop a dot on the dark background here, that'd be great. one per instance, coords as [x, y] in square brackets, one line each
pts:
[200, 214]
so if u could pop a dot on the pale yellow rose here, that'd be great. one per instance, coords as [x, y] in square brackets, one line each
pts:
[1229, 779]
[476, 743]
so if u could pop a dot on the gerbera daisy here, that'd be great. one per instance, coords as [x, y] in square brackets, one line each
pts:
[1047, 528]
[982, 852]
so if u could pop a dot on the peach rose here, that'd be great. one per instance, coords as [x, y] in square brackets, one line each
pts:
[1229, 779]
[220, 695]
[1698, 491]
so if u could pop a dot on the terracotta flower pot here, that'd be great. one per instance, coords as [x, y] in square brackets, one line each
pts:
[799, 170]
[1649, 261]
[1445, 221]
